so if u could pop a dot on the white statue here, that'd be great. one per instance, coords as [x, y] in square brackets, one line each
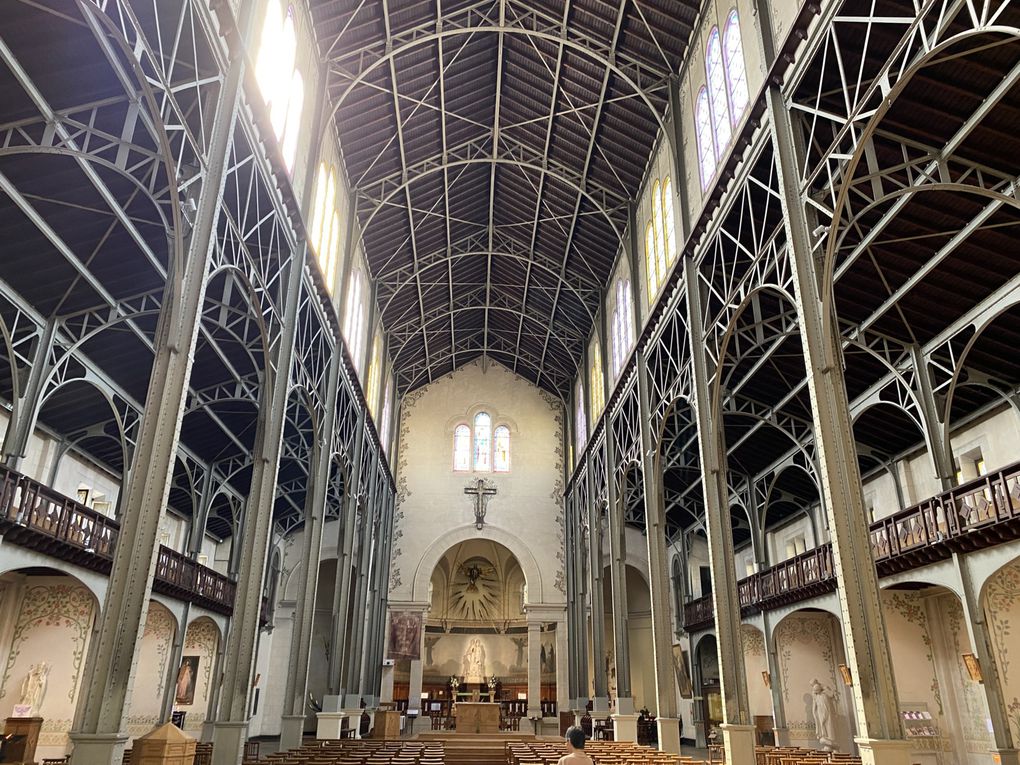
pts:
[823, 706]
[474, 661]
[33, 687]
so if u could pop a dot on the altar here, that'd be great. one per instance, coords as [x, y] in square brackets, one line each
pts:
[477, 717]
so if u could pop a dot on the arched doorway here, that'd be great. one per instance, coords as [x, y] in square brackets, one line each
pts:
[476, 643]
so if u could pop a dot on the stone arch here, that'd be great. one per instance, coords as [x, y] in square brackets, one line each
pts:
[431, 557]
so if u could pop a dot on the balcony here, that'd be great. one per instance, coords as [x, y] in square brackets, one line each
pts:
[32, 515]
[980, 513]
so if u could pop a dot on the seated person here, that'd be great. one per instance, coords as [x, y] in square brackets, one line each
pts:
[575, 748]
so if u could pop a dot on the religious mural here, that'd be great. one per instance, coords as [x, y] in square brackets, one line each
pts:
[405, 635]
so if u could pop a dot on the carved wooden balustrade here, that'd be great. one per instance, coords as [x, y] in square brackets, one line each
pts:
[35, 516]
[980, 513]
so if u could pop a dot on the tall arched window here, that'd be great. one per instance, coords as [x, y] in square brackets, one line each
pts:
[703, 129]
[462, 448]
[736, 69]
[354, 318]
[721, 127]
[669, 220]
[501, 449]
[483, 441]
[384, 431]
[623, 325]
[279, 81]
[651, 272]
[374, 374]
[598, 386]
[325, 233]
[580, 421]
[660, 243]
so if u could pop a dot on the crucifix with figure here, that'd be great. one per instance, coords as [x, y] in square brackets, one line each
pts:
[481, 492]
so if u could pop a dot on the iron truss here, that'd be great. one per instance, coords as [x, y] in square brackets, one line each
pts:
[494, 148]
[100, 173]
[912, 217]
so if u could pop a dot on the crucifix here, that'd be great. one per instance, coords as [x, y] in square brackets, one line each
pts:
[481, 493]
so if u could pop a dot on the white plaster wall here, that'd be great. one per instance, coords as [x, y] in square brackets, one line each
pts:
[45, 618]
[755, 663]
[809, 646]
[201, 639]
[146, 699]
[432, 511]
[1001, 603]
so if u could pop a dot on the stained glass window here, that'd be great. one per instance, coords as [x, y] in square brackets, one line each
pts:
[279, 81]
[623, 324]
[669, 220]
[354, 318]
[483, 441]
[598, 387]
[736, 69]
[580, 421]
[374, 373]
[384, 433]
[660, 244]
[717, 93]
[325, 232]
[501, 449]
[703, 128]
[462, 448]
[651, 272]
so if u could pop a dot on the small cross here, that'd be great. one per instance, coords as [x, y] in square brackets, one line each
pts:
[481, 493]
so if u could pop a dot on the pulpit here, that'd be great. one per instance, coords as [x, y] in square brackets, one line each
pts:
[26, 733]
[477, 717]
[387, 724]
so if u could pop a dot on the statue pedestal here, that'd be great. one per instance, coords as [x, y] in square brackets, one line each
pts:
[23, 750]
[884, 752]
[739, 742]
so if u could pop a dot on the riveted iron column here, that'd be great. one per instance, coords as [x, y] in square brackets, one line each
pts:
[294, 711]
[867, 646]
[737, 731]
[99, 736]
[598, 607]
[658, 572]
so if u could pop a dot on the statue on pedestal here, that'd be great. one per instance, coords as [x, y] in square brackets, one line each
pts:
[33, 687]
[823, 707]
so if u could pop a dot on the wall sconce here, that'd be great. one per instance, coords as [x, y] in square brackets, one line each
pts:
[973, 665]
[766, 677]
[844, 672]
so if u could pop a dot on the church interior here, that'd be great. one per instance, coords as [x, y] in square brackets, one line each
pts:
[409, 382]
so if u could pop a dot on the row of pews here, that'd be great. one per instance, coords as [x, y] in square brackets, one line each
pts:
[360, 752]
[601, 752]
[791, 755]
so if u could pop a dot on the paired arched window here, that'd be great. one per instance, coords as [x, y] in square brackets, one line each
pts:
[722, 101]
[278, 77]
[462, 448]
[580, 420]
[623, 324]
[480, 447]
[325, 233]
[374, 375]
[354, 318]
[384, 428]
[660, 236]
[598, 383]
[501, 449]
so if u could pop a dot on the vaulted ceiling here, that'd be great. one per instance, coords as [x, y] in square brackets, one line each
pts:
[495, 148]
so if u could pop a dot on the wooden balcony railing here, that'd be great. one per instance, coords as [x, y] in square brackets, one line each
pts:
[980, 513]
[35, 516]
